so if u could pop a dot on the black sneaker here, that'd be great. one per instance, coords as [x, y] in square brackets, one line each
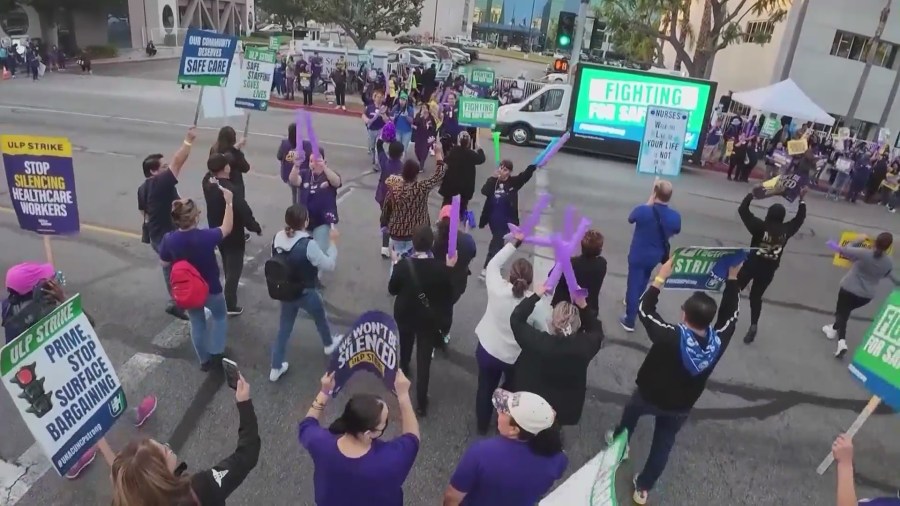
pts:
[751, 335]
[235, 311]
[176, 311]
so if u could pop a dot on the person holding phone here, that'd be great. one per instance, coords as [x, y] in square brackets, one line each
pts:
[352, 450]
[147, 471]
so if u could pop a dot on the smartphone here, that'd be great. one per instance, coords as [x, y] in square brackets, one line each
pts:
[231, 373]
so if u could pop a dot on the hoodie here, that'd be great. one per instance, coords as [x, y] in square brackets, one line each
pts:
[771, 234]
[460, 178]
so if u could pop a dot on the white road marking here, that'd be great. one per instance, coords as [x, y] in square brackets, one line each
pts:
[158, 122]
[344, 196]
[172, 336]
[17, 478]
[542, 255]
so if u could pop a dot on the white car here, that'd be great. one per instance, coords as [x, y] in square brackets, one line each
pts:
[515, 48]
[459, 56]
[555, 77]
[417, 58]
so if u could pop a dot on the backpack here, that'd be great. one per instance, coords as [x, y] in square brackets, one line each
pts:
[189, 289]
[281, 279]
[21, 312]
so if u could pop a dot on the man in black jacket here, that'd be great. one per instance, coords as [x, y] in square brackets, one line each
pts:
[232, 246]
[501, 204]
[460, 176]
[675, 370]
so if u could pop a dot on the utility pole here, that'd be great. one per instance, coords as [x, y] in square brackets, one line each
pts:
[892, 95]
[578, 43]
[874, 42]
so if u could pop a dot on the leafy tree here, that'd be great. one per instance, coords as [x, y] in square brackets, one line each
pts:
[668, 22]
[363, 19]
[288, 12]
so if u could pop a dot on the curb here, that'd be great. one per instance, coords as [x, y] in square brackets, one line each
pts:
[323, 109]
[111, 61]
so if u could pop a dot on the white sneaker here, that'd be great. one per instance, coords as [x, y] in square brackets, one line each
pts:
[207, 313]
[483, 274]
[829, 331]
[841, 349]
[335, 342]
[608, 438]
[385, 253]
[274, 374]
[640, 496]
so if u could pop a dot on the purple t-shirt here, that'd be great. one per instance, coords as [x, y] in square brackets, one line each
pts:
[882, 501]
[319, 197]
[375, 478]
[286, 155]
[502, 472]
[198, 247]
[371, 112]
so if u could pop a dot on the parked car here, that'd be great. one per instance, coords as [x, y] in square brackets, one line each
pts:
[417, 58]
[406, 39]
[459, 57]
[469, 50]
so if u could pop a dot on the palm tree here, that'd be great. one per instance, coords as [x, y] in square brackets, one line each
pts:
[874, 42]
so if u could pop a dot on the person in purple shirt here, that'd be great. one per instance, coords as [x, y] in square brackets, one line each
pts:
[842, 450]
[450, 129]
[517, 467]
[654, 224]
[403, 116]
[352, 464]
[198, 247]
[287, 153]
[318, 186]
[374, 117]
[390, 165]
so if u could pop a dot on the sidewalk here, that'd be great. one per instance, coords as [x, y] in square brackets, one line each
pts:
[140, 55]
[321, 103]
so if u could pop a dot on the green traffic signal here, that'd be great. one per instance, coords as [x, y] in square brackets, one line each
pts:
[564, 40]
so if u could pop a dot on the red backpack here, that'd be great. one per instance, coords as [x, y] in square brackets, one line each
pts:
[189, 289]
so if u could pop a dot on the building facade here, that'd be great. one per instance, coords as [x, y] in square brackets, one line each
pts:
[446, 18]
[131, 23]
[826, 63]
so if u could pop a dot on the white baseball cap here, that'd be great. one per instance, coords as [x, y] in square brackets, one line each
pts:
[530, 411]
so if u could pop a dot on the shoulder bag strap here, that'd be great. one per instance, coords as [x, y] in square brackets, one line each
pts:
[662, 230]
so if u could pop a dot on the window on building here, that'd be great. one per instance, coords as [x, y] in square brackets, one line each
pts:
[856, 47]
[759, 32]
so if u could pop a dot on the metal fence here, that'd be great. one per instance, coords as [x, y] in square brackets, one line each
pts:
[502, 84]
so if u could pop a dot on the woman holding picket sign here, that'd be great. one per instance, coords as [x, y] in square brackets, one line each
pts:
[353, 464]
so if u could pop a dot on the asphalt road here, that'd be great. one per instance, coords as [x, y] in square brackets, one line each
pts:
[769, 416]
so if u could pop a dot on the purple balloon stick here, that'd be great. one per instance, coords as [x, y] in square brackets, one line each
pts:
[527, 226]
[562, 256]
[539, 241]
[569, 222]
[454, 226]
[311, 133]
[298, 121]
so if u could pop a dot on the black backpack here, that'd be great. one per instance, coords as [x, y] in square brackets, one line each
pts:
[281, 278]
[20, 312]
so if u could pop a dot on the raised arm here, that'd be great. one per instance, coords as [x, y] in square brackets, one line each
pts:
[754, 225]
[181, 156]
[234, 469]
[658, 330]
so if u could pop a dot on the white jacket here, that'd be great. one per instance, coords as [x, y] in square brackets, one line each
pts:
[493, 331]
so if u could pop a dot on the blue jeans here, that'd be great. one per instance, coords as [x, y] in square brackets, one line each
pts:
[490, 371]
[373, 138]
[638, 277]
[311, 302]
[398, 247]
[166, 270]
[209, 337]
[404, 139]
[322, 236]
[838, 186]
[666, 427]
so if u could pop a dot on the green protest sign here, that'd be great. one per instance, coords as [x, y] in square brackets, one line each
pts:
[876, 362]
[274, 43]
[481, 77]
[769, 128]
[478, 112]
[595, 483]
[697, 268]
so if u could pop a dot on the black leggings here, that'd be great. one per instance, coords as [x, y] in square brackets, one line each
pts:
[496, 244]
[423, 340]
[340, 94]
[761, 275]
[846, 303]
[233, 267]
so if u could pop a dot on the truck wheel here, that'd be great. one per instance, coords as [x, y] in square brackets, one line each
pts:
[520, 134]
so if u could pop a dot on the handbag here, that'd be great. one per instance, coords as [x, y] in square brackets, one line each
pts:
[662, 234]
[423, 299]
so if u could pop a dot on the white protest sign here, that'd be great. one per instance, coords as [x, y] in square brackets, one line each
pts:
[257, 69]
[662, 149]
[595, 483]
[63, 384]
[219, 102]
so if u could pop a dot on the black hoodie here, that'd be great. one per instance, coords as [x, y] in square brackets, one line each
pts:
[770, 235]
[460, 176]
[215, 209]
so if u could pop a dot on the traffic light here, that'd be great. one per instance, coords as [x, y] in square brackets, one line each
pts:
[565, 30]
[33, 391]
[561, 65]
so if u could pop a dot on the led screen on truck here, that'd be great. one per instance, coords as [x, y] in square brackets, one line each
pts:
[611, 103]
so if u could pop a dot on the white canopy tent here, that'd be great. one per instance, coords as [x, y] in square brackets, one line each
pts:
[786, 99]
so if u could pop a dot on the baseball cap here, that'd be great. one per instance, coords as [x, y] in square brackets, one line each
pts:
[445, 212]
[23, 277]
[530, 411]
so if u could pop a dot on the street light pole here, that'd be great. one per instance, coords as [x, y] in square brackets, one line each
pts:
[434, 26]
[531, 27]
[579, 35]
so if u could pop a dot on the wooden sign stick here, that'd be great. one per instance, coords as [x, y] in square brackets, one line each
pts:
[854, 428]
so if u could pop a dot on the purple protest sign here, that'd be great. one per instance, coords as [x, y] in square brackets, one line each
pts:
[371, 345]
[41, 179]
[454, 226]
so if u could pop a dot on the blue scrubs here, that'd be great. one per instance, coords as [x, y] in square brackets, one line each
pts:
[647, 249]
